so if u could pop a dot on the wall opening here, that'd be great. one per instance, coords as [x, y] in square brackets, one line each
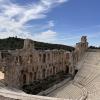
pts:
[76, 70]
[67, 69]
[34, 75]
[30, 77]
[24, 79]
[54, 70]
[44, 58]
[43, 73]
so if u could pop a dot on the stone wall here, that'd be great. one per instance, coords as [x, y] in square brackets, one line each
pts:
[18, 96]
[25, 65]
[7, 98]
[80, 49]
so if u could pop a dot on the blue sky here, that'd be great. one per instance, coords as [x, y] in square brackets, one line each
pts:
[54, 21]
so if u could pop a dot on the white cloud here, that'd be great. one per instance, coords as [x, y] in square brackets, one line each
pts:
[47, 36]
[19, 34]
[14, 17]
[47, 26]
[51, 24]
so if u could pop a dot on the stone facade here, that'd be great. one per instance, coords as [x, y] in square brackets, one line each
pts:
[80, 49]
[23, 66]
[26, 65]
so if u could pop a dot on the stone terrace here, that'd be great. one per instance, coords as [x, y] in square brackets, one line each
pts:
[86, 84]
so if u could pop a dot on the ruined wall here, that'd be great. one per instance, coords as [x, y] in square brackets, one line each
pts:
[26, 65]
[80, 49]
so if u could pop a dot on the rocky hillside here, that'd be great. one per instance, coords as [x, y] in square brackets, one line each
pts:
[13, 43]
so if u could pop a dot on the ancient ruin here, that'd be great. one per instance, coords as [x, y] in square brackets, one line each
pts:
[27, 64]
[23, 66]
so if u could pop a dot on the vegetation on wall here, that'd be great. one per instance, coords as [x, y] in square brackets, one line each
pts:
[13, 43]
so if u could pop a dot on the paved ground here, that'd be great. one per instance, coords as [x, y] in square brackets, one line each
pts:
[86, 84]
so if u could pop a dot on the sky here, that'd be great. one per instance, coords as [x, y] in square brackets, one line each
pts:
[52, 21]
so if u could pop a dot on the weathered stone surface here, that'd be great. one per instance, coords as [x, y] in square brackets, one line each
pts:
[7, 98]
[86, 83]
[23, 66]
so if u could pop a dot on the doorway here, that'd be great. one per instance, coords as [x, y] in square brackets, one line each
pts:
[67, 69]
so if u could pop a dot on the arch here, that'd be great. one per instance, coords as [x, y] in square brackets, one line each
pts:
[30, 58]
[47, 72]
[34, 75]
[39, 75]
[20, 59]
[16, 59]
[44, 58]
[76, 70]
[24, 78]
[39, 57]
[31, 76]
[43, 73]
[67, 69]
[33, 68]
[48, 56]
[53, 70]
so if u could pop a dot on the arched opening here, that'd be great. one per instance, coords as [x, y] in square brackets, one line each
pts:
[53, 70]
[16, 59]
[48, 72]
[48, 56]
[20, 60]
[76, 70]
[33, 69]
[39, 57]
[67, 69]
[39, 75]
[30, 77]
[24, 79]
[30, 59]
[43, 73]
[34, 75]
[44, 58]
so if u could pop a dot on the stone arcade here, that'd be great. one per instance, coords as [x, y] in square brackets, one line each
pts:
[23, 66]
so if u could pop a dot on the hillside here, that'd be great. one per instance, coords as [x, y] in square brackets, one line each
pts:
[13, 43]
